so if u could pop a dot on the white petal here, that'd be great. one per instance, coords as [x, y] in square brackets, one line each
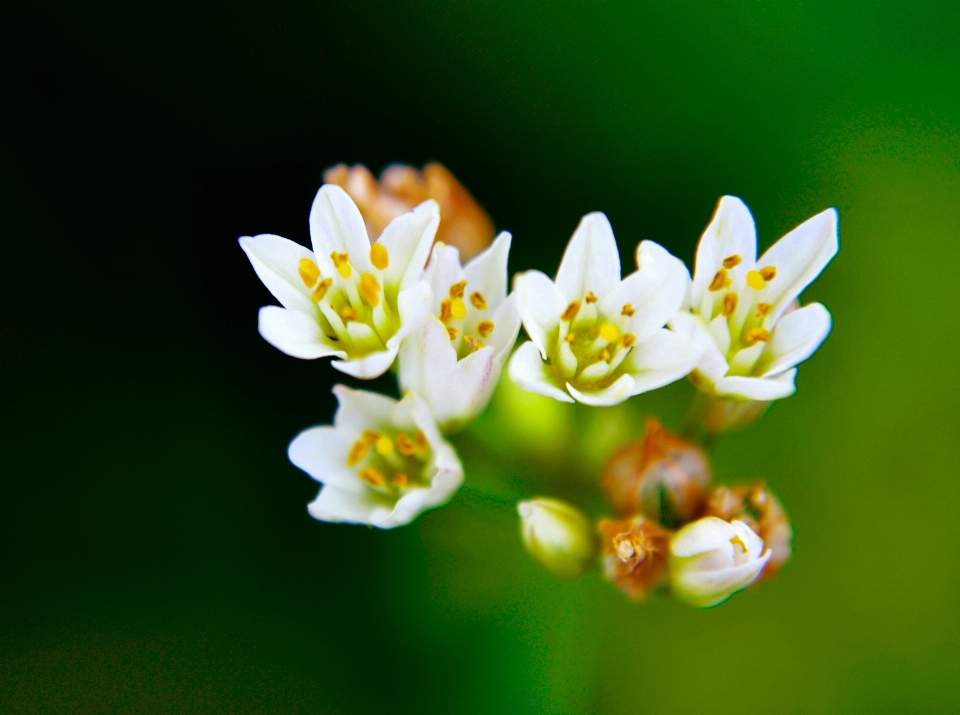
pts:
[763, 389]
[742, 363]
[336, 225]
[369, 366]
[414, 307]
[276, 261]
[322, 453]
[415, 501]
[664, 358]
[622, 389]
[530, 372]
[712, 363]
[360, 410]
[720, 331]
[295, 333]
[408, 239]
[506, 322]
[540, 304]
[796, 337]
[591, 261]
[487, 272]
[337, 505]
[442, 272]
[731, 233]
[798, 257]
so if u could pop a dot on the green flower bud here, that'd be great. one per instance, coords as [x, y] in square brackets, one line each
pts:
[557, 535]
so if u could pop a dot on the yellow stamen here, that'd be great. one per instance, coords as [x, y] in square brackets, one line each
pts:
[603, 355]
[479, 302]
[768, 273]
[453, 332]
[732, 261]
[756, 280]
[370, 289]
[590, 297]
[720, 281]
[400, 479]
[321, 289]
[729, 304]
[370, 437]
[308, 272]
[757, 334]
[405, 445]
[421, 440]
[357, 452]
[737, 541]
[348, 313]
[609, 332]
[473, 343]
[458, 309]
[571, 312]
[627, 310]
[570, 337]
[628, 340]
[485, 327]
[340, 261]
[763, 309]
[456, 290]
[373, 477]
[379, 257]
[384, 445]
[446, 312]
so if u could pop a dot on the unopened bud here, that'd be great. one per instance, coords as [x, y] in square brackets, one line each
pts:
[711, 559]
[661, 475]
[758, 508]
[634, 554]
[557, 535]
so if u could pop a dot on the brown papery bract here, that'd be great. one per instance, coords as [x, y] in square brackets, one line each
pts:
[633, 554]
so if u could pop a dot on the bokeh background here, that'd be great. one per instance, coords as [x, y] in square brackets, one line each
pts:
[155, 551]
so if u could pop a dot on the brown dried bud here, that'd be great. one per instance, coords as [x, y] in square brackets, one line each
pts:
[661, 475]
[463, 222]
[759, 509]
[634, 554]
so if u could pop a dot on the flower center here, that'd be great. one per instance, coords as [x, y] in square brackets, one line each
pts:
[390, 462]
[464, 325]
[590, 348]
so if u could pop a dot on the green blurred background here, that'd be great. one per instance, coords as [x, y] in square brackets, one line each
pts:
[155, 550]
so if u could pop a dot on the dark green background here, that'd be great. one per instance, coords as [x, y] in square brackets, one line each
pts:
[155, 551]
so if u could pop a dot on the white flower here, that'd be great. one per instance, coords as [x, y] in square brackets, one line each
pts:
[347, 298]
[595, 338]
[711, 559]
[744, 313]
[381, 463]
[558, 536]
[454, 360]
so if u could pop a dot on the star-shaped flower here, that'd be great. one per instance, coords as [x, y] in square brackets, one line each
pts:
[595, 338]
[346, 299]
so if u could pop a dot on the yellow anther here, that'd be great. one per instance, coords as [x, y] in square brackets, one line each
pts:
[308, 272]
[458, 309]
[321, 289]
[421, 441]
[347, 313]
[627, 310]
[384, 445]
[373, 477]
[446, 311]
[400, 479]
[357, 452]
[478, 301]
[609, 332]
[571, 312]
[453, 332]
[720, 281]
[485, 327]
[379, 257]
[737, 541]
[473, 344]
[628, 340]
[341, 262]
[755, 335]
[370, 289]
[732, 261]
[370, 437]
[405, 445]
[769, 273]
[590, 297]
[603, 355]
[570, 337]
[763, 309]
[729, 304]
[456, 290]
[756, 280]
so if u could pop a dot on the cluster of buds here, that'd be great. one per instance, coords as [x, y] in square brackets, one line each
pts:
[407, 273]
[671, 529]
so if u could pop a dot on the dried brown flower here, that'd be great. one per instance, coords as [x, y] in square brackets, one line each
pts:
[463, 222]
[634, 554]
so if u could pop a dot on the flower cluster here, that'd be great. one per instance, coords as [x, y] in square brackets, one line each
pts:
[387, 284]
